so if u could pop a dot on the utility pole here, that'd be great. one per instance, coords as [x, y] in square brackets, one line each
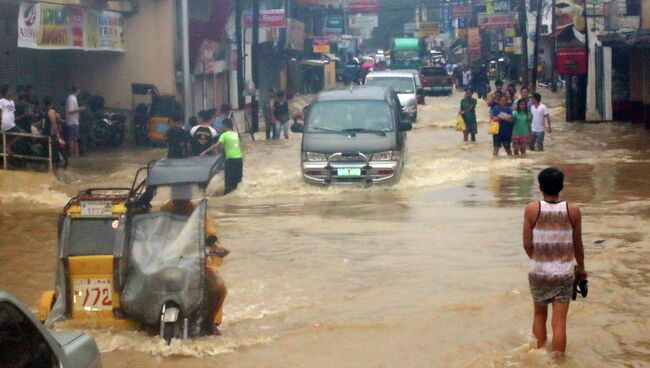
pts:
[553, 77]
[255, 65]
[185, 41]
[523, 33]
[241, 101]
[538, 25]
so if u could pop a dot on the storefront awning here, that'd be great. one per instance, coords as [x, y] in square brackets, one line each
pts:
[314, 62]
[332, 57]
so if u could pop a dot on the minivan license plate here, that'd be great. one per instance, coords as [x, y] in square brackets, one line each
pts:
[348, 172]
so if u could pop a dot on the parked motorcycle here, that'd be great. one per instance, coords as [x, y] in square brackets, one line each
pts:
[100, 128]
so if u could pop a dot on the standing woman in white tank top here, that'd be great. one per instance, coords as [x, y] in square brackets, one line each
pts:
[553, 242]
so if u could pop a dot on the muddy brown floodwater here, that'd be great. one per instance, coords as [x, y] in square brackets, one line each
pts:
[428, 273]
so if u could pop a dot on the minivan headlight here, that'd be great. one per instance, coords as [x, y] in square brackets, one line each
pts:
[409, 108]
[386, 156]
[313, 156]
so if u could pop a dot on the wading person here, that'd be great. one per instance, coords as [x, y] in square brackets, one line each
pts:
[203, 134]
[72, 111]
[178, 141]
[230, 144]
[503, 114]
[540, 115]
[468, 112]
[53, 129]
[553, 241]
[520, 130]
[269, 115]
[282, 115]
[493, 97]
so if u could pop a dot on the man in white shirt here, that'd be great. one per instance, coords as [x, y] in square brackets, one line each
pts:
[540, 115]
[467, 78]
[72, 111]
[7, 110]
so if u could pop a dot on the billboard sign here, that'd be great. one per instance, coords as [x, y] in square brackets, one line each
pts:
[570, 37]
[60, 27]
[363, 6]
[495, 21]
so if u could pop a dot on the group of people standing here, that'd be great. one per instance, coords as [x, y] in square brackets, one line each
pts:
[213, 133]
[21, 111]
[522, 120]
[276, 115]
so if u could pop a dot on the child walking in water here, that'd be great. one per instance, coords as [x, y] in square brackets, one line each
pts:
[520, 130]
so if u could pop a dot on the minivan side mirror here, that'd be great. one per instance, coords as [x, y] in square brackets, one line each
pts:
[419, 91]
[405, 126]
[297, 127]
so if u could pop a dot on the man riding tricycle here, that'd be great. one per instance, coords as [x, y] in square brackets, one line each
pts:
[122, 264]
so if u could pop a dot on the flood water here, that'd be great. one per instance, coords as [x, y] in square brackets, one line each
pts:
[428, 273]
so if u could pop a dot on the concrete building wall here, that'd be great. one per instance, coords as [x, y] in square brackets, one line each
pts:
[149, 57]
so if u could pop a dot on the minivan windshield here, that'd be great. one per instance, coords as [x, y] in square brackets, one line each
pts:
[350, 116]
[399, 84]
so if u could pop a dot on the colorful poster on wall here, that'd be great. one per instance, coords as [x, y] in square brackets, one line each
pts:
[59, 27]
[570, 37]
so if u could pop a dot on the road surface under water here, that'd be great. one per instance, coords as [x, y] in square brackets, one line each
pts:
[428, 273]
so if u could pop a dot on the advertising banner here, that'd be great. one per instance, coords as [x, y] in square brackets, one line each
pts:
[570, 37]
[474, 43]
[58, 27]
[495, 21]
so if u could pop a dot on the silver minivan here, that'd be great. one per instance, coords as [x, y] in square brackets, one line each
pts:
[407, 85]
[354, 136]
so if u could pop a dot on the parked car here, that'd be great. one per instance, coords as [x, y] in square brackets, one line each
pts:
[436, 80]
[405, 83]
[354, 136]
[26, 342]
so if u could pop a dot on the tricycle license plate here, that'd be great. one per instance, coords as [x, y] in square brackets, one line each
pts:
[348, 172]
[94, 209]
[92, 294]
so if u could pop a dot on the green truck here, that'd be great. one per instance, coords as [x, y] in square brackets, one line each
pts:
[407, 53]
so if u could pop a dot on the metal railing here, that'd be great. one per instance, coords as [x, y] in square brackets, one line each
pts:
[6, 151]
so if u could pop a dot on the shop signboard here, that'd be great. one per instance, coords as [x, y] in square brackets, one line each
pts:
[461, 10]
[429, 29]
[60, 27]
[492, 7]
[570, 37]
[363, 6]
[321, 45]
[272, 18]
[410, 28]
[364, 21]
[495, 21]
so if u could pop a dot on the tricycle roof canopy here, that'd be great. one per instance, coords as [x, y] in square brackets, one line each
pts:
[200, 169]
